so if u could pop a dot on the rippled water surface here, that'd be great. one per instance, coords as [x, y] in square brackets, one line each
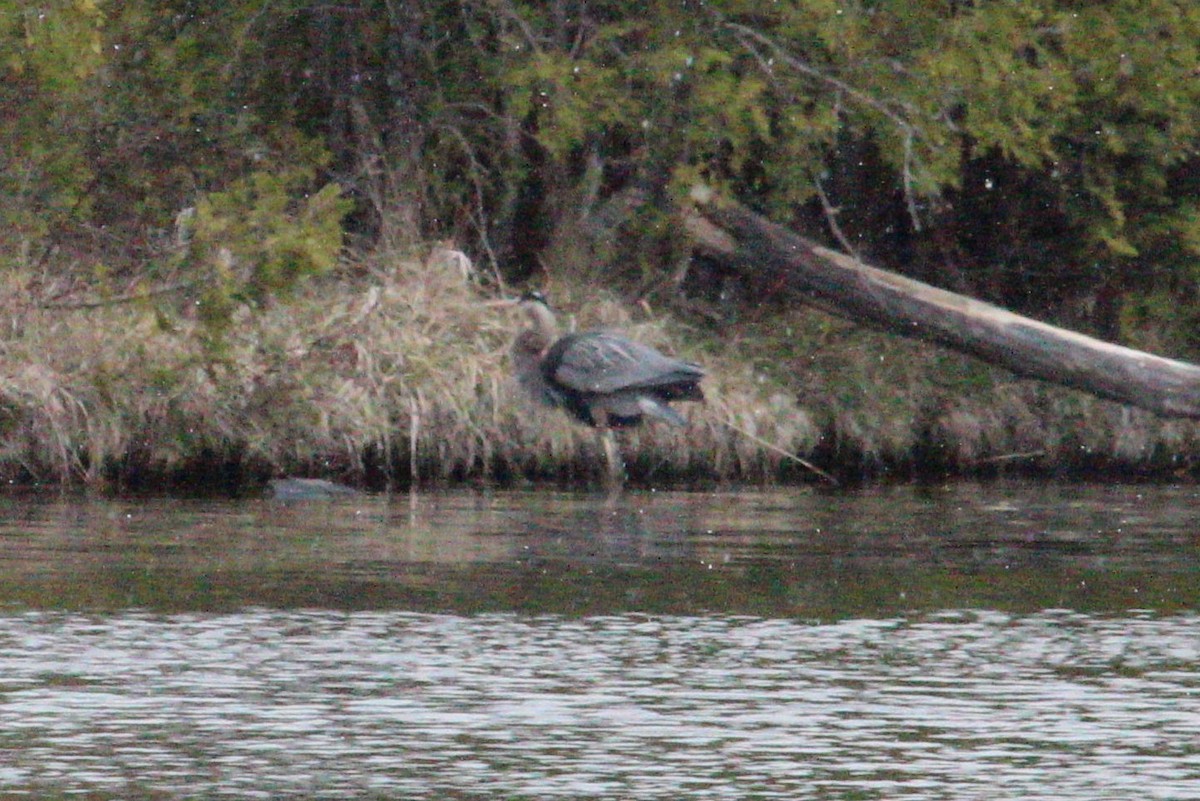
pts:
[974, 642]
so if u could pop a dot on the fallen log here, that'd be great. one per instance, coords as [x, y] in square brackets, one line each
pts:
[774, 256]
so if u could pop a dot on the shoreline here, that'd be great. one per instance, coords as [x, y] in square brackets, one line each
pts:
[395, 371]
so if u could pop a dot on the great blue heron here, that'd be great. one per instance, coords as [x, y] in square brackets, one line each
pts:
[600, 378]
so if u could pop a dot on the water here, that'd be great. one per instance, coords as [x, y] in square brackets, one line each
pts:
[965, 642]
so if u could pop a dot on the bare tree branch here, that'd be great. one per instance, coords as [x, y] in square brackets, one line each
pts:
[747, 37]
[831, 213]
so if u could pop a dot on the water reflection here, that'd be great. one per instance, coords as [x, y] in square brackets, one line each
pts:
[996, 641]
[786, 553]
[324, 704]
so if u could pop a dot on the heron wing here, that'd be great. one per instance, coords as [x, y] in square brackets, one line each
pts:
[633, 404]
[599, 362]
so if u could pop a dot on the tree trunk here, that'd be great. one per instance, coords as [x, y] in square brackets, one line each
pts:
[772, 256]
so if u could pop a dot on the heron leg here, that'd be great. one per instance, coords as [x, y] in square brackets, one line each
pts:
[614, 463]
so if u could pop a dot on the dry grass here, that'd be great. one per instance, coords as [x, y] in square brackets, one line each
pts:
[895, 405]
[395, 371]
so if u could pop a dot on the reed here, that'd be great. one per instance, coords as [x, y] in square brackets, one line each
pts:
[394, 372]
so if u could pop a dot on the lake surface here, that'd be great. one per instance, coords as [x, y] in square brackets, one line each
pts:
[972, 641]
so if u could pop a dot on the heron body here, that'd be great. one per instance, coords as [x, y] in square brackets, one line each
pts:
[601, 378]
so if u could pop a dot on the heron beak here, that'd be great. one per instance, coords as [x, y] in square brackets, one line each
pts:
[502, 303]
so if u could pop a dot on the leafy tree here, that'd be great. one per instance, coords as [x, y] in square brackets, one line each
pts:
[48, 53]
[1029, 152]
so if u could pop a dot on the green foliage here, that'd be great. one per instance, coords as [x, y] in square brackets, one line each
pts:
[259, 238]
[1101, 98]
[57, 44]
[48, 51]
[493, 122]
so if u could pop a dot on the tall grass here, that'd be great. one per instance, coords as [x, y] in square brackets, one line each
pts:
[394, 372]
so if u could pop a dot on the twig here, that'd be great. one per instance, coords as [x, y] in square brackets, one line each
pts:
[864, 280]
[744, 33]
[786, 454]
[118, 299]
[804, 67]
[1009, 457]
[478, 215]
[515, 17]
[414, 430]
[831, 218]
[910, 198]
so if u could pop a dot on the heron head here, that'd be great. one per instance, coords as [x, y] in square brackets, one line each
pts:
[527, 299]
[534, 296]
[535, 305]
[530, 346]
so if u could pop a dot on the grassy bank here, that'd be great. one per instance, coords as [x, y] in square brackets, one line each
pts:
[393, 371]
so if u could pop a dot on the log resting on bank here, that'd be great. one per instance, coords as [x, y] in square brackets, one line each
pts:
[771, 256]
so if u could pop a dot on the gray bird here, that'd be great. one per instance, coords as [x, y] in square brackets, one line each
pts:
[600, 378]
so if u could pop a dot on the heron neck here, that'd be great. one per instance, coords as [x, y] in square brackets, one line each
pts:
[544, 324]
